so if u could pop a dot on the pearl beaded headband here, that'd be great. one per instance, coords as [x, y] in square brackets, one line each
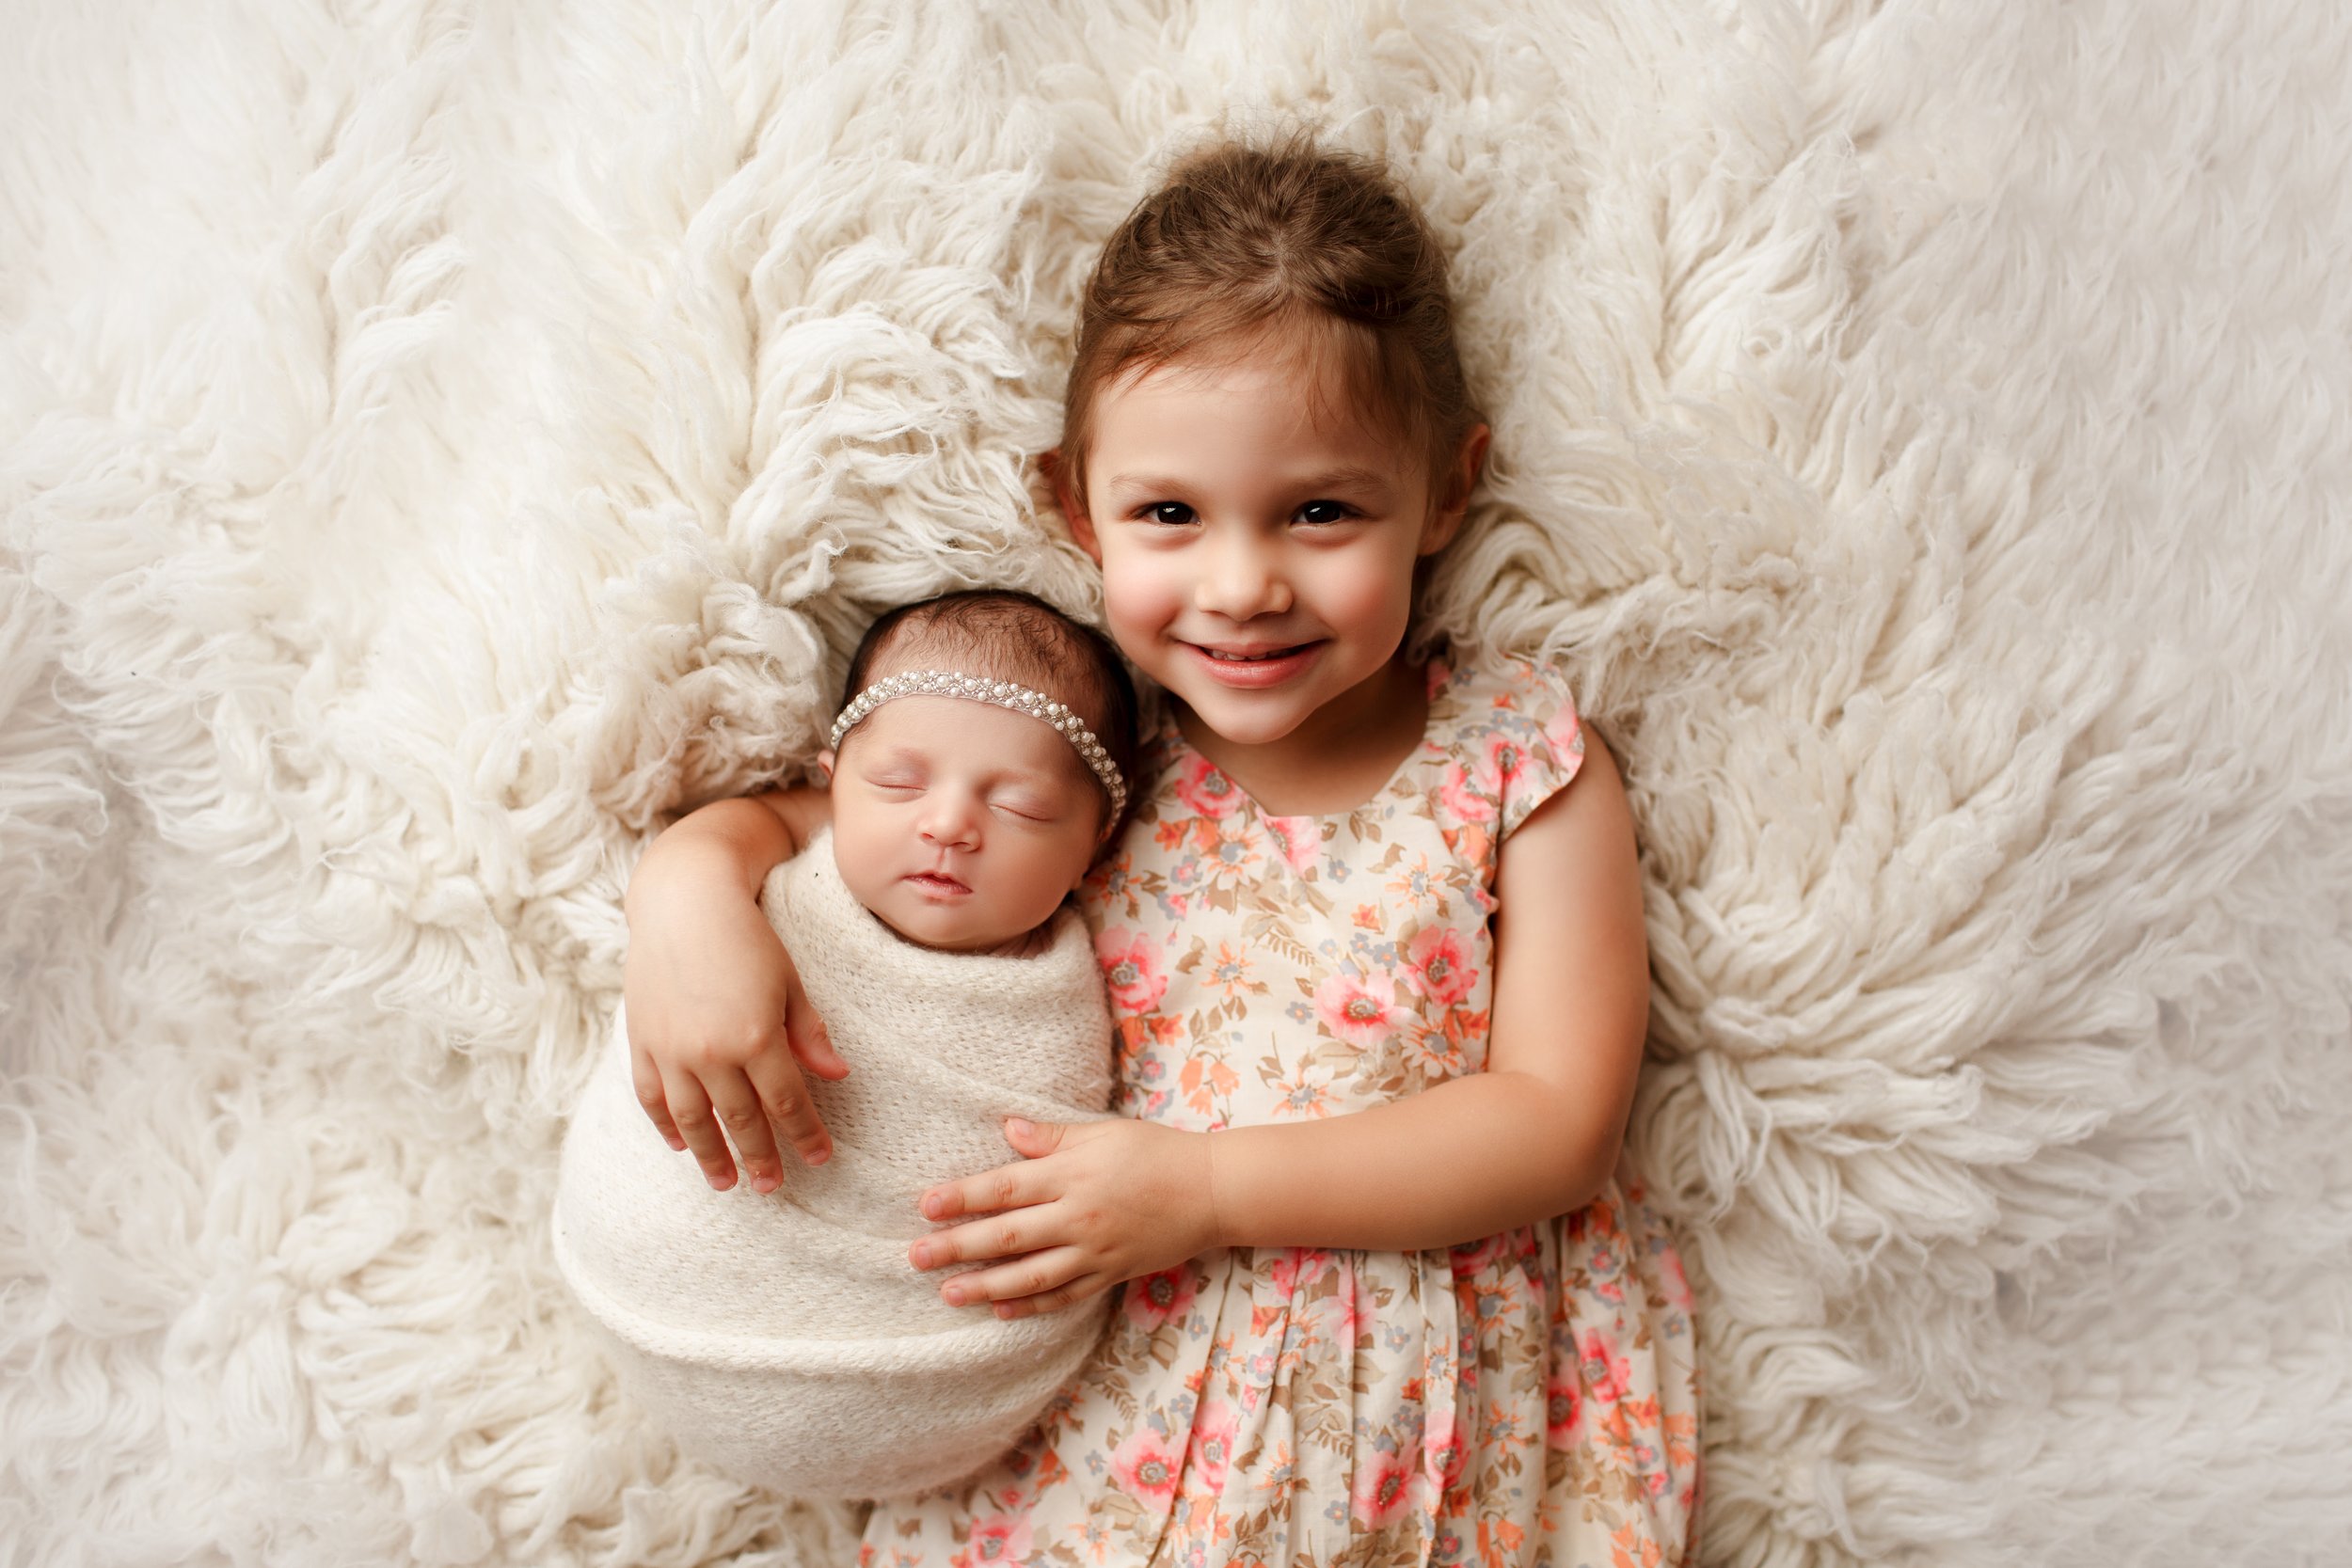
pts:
[955, 683]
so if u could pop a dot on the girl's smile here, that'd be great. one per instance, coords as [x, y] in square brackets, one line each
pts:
[1256, 670]
[1258, 535]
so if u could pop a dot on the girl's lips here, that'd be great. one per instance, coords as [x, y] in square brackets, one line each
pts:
[1252, 674]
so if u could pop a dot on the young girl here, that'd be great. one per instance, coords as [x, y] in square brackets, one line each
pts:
[1385, 1296]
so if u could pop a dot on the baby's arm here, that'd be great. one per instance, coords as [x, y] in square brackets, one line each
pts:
[716, 1013]
[1534, 1136]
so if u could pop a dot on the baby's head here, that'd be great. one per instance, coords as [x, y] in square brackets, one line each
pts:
[960, 821]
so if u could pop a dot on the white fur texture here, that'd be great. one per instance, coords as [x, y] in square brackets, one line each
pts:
[438, 440]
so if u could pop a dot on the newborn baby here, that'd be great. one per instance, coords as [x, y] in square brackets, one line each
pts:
[784, 1337]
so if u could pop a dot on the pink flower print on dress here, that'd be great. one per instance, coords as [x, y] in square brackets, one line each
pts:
[1203, 786]
[1605, 1372]
[1461, 798]
[998, 1538]
[1564, 1409]
[1146, 1467]
[1436, 967]
[1362, 1012]
[1669, 1275]
[1442, 1453]
[1210, 1449]
[1154, 1298]
[1564, 734]
[1298, 1267]
[1300, 839]
[1470, 1258]
[1341, 1313]
[1131, 967]
[1384, 1485]
[1505, 761]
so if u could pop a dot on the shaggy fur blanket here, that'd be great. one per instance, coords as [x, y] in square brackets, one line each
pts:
[440, 442]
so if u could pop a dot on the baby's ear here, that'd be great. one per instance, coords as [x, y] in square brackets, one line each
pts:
[825, 761]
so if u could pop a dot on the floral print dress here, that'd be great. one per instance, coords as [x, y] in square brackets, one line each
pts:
[1526, 1398]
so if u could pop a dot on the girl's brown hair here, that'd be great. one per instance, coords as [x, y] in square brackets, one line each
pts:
[1247, 243]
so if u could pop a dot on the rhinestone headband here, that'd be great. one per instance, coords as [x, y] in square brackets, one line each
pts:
[955, 683]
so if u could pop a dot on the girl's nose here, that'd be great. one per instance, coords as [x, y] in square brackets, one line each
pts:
[1243, 580]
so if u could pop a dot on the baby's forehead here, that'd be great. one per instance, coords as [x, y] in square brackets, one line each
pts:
[937, 729]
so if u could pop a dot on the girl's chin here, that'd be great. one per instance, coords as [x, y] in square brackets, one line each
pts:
[1248, 718]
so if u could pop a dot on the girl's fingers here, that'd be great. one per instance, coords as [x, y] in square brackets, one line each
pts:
[742, 1107]
[645, 1080]
[1006, 1187]
[1022, 1230]
[1035, 1274]
[781, 1102]
[805, 1033]
[1055, 1299]
[689, 1110]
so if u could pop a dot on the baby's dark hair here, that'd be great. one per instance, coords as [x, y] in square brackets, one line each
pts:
[1017, 637]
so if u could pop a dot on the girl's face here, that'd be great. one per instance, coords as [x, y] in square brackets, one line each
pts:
[1257, 560]
[960, 825]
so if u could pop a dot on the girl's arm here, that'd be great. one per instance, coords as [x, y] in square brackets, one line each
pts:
[1534, 1136]
[716, 1015]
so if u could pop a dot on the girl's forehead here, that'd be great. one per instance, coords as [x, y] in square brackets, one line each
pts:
[1322, 391]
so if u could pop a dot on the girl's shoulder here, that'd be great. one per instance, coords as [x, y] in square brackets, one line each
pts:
[1510, 733]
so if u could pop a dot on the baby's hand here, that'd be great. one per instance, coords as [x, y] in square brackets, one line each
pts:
[1092, 1205]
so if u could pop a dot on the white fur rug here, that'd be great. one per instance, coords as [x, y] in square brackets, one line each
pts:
[440, 440]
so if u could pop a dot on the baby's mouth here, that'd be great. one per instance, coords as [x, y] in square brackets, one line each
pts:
[937, 882]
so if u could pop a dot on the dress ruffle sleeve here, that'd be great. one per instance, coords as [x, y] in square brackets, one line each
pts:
[1528, 741]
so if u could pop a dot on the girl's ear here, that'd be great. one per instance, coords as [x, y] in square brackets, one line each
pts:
[1073, 509]
[1453, 494]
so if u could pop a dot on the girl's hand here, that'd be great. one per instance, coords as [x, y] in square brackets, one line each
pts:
[1093, 1205]
[716, 1014]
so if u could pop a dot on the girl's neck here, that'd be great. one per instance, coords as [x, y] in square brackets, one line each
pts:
[1337, 757]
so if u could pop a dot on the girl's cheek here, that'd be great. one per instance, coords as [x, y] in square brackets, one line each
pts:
[1372, 596]
[1136, 600]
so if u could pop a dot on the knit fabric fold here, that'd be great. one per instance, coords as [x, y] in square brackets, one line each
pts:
[782, 1336]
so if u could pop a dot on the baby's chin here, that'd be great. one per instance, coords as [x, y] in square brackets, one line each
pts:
[944, 937]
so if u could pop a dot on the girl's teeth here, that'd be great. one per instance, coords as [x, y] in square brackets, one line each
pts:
[1248, 658]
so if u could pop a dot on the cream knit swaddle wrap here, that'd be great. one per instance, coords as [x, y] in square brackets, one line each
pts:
[784, 1337]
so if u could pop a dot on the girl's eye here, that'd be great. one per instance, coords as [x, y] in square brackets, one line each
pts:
[1175, 514]
[1326, 511]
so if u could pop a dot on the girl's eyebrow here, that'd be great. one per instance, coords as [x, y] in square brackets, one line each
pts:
[1346, 477]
